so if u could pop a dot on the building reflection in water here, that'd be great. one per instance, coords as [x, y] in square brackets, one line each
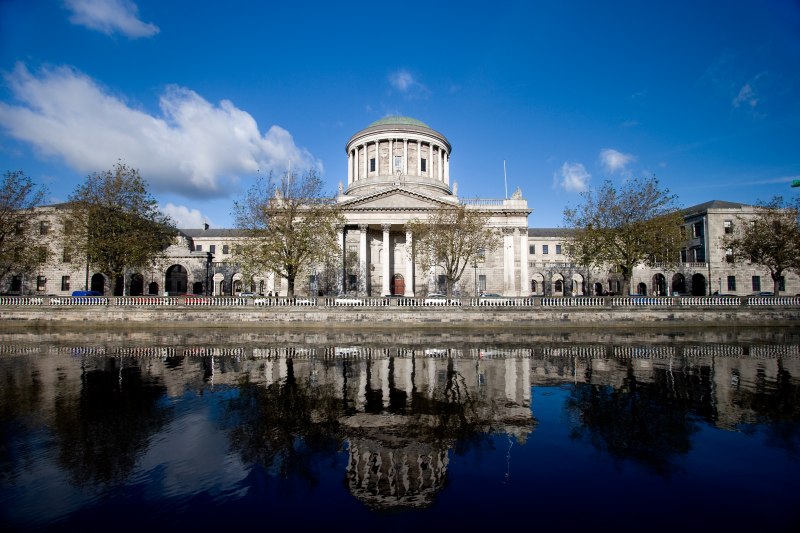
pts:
[401, 411]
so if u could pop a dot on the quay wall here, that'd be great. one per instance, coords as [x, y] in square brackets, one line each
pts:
[362, 317]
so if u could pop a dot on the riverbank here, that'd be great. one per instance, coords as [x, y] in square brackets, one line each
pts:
[179, 317]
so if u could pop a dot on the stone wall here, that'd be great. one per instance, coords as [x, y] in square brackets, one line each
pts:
[402, 316]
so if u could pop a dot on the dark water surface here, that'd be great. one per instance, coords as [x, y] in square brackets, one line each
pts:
[654, 430]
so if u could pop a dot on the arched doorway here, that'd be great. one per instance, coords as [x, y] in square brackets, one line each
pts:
[660, 285]
[137, 285]
[197, 287]
[641, 288]
[537, 284]
[98, 283]
[578, 285]
[558, 287]
[152, 288]
[398, 284]
[678, 284]
[698, 285]
[177, 280]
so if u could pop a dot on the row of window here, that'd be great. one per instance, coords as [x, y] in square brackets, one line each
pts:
[398, 164]
[213, 248]
[545, 249]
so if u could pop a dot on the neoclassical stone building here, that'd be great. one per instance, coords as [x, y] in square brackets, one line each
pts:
[398, 170]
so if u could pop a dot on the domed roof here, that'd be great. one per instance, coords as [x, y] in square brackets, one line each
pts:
[396, 120]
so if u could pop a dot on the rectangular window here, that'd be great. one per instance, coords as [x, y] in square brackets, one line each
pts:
[65, 256]
[697, 229]
[64, 283]
[729, 255]
[728, 225]
[44, 228]
[558, 249]
[545, 249]
[212, 248]
[532, 249]
[198, 247]
[226, 249]
[372, 164]
[683, 256]
[398, 163]
[700, 255]
[731, 283]
[756, 283]
[423, 165]
[41, 283]
[482, 282]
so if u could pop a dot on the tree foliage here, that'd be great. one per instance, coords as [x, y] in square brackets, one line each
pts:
[113, 220]
[623, 227]
[452, 237]
[21, 248]
[289, 224]
[771, 238]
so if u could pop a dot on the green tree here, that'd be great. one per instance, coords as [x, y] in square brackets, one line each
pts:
[112, 220]
[770, 238]
[289, 224]
[634, 224]
[452, 237]
[21, 247]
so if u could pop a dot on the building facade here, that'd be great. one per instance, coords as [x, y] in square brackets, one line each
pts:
[398, 170]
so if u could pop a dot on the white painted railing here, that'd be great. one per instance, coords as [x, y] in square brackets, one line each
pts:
[204, 301]
[641, 301]
[21, 300]
[583, 301]
[713, 301]
[79, 300]
[144, 300]
[773, 300]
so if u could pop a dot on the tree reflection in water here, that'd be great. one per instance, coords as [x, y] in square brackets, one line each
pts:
[105, 428]
[648, 423]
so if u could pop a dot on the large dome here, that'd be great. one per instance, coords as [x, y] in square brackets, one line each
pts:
[396, 120]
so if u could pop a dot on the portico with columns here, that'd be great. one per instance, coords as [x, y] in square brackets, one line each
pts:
[398, 170]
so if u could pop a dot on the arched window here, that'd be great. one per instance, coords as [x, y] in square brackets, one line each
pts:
[559, 286]
[534, 286]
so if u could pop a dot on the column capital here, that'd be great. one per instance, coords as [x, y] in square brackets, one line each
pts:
[386, 227]
[363, 227]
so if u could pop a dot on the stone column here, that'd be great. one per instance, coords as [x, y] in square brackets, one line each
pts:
[391, 157]
[349, 167]
[366, 167]
[508, 261]
[409, 263]
[447, 169]
[385, 260]
[340, 240]
[362, 260]
[419, 158]
[524, 284]
[405, 157]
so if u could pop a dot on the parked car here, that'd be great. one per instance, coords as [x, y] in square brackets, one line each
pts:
[763, 293]
[492, 298]
[86, 293]
[435, 298]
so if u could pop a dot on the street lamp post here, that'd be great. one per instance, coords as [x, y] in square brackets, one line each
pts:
[475, 269]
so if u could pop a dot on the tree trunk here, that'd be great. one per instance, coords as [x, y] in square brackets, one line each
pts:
[290, 286]
[776, 283]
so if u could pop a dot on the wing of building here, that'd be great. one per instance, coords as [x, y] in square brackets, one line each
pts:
[398, 170]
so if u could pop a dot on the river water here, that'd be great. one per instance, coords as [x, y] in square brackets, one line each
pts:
[656, 430]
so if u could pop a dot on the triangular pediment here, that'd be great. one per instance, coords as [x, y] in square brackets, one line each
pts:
[395, 199]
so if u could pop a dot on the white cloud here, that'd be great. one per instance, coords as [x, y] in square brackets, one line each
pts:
[573, 177]
[192, 147]
[614, 161]
[746, 96]
[183, 216]
[110, 16]
[404, 82]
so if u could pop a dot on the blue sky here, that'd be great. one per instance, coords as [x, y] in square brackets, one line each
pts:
[202, 96]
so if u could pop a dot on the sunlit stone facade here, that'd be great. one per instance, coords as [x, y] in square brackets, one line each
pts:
[398, 170]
